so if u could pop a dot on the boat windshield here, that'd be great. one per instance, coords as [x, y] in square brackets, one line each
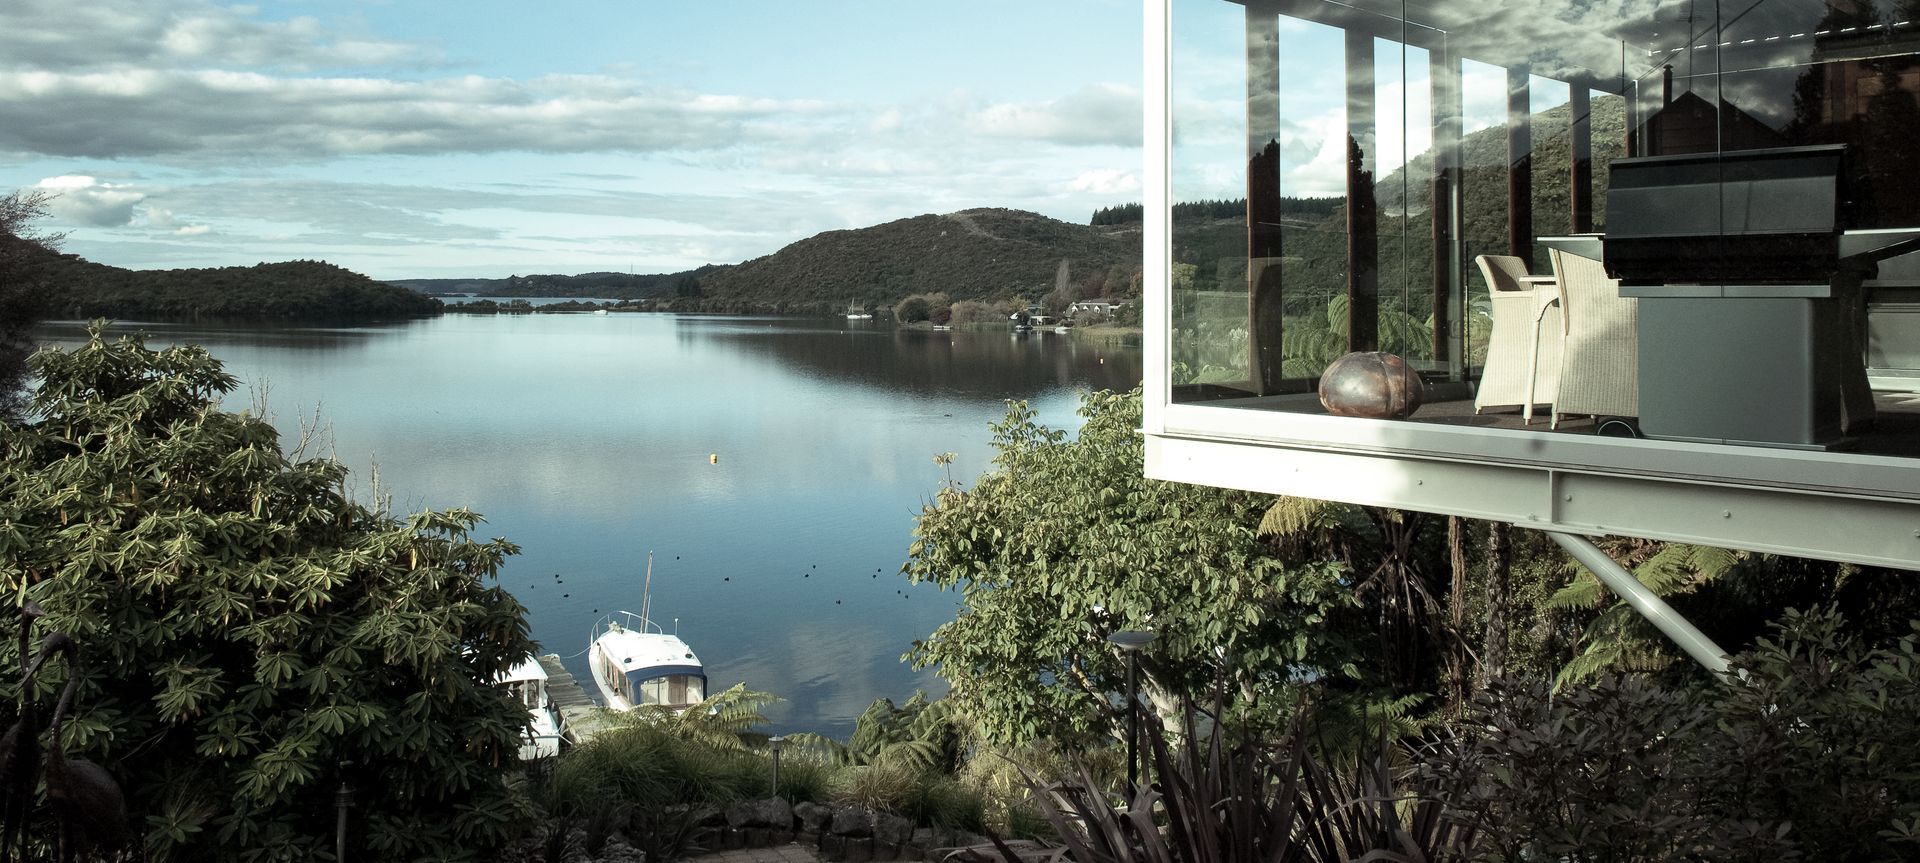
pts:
[668, 685]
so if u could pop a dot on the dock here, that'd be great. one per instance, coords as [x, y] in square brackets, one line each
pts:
[580, 716]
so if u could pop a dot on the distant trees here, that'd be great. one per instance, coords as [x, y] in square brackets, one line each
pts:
[1122, 214]
[922, 307]
[21, 301]
[976, 312]
[256, 642]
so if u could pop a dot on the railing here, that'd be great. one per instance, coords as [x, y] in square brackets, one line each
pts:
[625, 620]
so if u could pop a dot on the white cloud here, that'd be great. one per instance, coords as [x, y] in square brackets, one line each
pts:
[1107, 181]
[147, 113]
[192, 231]
[99, 34]
[86, 200]
[1101, 114]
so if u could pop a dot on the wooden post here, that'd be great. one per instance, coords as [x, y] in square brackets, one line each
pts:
[1519, 167]
[1363, 217]
[1443, 76]
[1265, 305]
[1580, 130]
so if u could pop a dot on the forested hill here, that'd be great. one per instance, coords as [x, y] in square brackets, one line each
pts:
[619, 286]
[968, 255]
[293, 291]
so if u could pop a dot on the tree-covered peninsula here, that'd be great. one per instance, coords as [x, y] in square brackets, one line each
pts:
[70, 286]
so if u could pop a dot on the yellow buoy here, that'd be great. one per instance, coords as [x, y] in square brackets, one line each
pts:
[713, 458]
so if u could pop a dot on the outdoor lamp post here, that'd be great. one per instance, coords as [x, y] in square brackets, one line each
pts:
[1130, 642]
[773, 744]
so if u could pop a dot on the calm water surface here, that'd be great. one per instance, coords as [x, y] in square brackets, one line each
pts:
[587, 440]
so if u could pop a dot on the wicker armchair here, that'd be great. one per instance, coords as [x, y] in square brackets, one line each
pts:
[1600, 369]
[1520, 310]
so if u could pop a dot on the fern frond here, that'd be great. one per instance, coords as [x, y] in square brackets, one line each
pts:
[1585, 591]
[1291, 516]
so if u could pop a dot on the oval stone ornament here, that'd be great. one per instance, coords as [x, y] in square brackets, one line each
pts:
[1371, 384]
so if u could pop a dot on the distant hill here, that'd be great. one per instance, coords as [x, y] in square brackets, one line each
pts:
[619, 286]
[75, 287]
[969, 255]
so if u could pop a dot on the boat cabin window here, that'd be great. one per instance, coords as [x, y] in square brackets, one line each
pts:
[677, 690]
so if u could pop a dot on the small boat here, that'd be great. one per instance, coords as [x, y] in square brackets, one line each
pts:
[856, 313]
[636, 664]
[600, 311]
[528, 682]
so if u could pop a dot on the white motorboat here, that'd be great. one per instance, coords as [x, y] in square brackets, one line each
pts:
[636, 664]
[528, 681]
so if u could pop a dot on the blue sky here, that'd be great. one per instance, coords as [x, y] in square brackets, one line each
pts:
[409, 139]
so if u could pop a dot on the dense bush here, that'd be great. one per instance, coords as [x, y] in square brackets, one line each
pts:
[253, 639]
[977, 312]
[1812, 750]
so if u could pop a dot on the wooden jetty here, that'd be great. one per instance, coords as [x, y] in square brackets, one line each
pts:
[580, 716]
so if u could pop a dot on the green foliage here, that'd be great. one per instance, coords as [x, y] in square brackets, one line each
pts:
[255, 638]
[920, 735]
[1064, 542]
[724, 720]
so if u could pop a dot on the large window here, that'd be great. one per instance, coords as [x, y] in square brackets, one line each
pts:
[1678, 241]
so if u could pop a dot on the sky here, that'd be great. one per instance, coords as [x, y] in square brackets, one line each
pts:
[417, 138]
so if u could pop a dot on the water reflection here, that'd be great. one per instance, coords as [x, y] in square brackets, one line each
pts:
[772, 465]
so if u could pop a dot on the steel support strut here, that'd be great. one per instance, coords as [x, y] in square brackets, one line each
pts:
[1651, 607]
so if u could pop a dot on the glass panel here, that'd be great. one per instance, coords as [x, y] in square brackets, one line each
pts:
[1315, 235]
[1402, 189]
[1357, 143]
[1212, 134]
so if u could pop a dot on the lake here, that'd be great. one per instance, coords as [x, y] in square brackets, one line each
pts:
[772, 465]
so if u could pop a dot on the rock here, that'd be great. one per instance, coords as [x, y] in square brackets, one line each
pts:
[853, 821]
[813, 816]
[771, 814]
[891, 829]
[833, 847]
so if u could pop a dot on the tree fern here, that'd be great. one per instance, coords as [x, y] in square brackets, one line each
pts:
[1619, 639]
[724, 720]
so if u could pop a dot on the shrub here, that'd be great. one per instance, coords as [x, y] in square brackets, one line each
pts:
[255, 639]
[887, 787]
[940, 801]
[911, 309]
[807, 779]
[977, 312]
